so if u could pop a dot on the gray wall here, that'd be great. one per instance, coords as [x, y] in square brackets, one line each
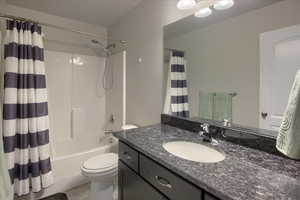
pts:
[60, 40]
[225, 57]
[143, 29]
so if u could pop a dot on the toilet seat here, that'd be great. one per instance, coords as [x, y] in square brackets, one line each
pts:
[101, 164]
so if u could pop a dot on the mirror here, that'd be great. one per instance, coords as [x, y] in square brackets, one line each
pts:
[239, 64]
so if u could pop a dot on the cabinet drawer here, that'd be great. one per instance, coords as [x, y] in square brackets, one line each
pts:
[129, 156]
[209, 197]
[167, 182]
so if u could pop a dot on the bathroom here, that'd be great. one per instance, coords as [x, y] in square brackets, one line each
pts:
[108, 68]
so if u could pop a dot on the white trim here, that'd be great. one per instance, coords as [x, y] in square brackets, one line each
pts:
[124, 89]
[167, 105]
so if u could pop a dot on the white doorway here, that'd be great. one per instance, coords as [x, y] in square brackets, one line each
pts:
[280, 60]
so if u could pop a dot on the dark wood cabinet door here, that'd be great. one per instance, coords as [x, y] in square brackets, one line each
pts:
[168, 183]
[209, 197]
[129, 156]
[133, 187]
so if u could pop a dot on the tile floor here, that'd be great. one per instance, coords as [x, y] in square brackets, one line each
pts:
[79, 193]
[82, 193]
[60, 196]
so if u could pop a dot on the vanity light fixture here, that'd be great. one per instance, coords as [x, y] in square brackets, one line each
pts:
[186, 4]
[205, 11]
[223, 4]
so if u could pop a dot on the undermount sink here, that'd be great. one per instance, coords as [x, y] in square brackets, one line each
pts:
[193, 152]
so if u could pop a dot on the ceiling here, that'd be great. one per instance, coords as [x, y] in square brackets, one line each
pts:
[192, 23]
[99, 12]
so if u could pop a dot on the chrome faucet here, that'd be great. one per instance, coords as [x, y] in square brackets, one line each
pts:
[205, 133]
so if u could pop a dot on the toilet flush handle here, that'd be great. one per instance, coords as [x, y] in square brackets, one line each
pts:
[108, 132]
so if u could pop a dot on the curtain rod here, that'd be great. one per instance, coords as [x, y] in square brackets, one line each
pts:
[232, 94]
[169, 49]
[54, 26]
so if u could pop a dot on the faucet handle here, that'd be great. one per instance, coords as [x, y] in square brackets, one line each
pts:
[201, 133]
[226, 122]
[207, 137]
[205, 127]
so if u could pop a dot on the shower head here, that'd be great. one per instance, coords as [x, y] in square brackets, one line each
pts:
[108, 49]
[105, 49]
[95, 41]
[113, 45]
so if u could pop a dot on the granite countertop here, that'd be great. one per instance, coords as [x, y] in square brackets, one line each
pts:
[245, 174]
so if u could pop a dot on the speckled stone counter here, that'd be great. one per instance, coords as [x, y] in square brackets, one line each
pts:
[245, 174]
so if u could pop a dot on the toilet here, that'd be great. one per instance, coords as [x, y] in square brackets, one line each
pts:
[101, 171]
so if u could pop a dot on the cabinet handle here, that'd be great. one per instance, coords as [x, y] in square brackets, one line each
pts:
[127, 156]
[163, 182]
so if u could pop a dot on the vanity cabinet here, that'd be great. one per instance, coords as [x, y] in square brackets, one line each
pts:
[141, 178]
[133, 187]
[129, 156]
[209, 197]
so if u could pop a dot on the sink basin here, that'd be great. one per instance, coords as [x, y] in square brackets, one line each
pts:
[193, 152]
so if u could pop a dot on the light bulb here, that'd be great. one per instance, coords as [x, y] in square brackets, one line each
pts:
[203, 12]
[223, 4]
[186, 4]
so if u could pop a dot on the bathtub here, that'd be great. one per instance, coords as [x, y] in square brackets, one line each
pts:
[66, 169]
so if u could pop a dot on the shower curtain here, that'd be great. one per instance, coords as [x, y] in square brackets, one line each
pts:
[6, 189]
[25, 109]
[176, 101]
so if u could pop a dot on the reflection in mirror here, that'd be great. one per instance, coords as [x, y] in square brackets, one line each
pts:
[236, 65]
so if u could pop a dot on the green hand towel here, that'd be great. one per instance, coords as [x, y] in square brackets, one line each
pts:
[222, 107]
[288, 140]
[206, 105]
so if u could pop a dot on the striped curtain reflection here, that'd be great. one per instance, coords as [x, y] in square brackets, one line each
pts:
[176, 102]
[25, 109]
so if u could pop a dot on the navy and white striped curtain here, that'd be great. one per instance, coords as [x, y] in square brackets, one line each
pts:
[176, 102]
[25, 109]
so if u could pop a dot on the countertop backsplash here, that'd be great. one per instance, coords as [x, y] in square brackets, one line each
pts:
[250, 137]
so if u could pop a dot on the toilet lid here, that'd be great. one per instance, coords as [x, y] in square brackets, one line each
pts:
[101, 162]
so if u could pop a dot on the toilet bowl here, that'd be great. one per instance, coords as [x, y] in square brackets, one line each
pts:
[101, 171]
